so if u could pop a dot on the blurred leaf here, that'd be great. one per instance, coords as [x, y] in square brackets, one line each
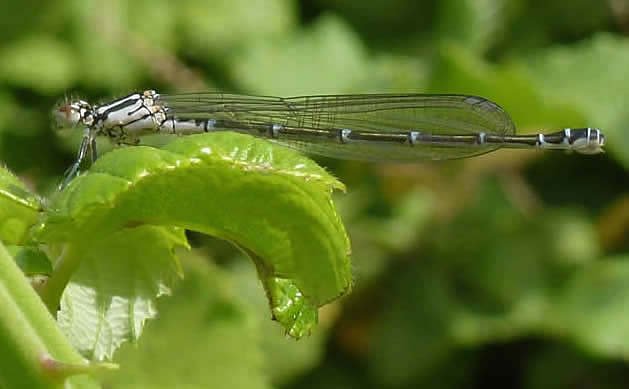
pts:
[112, 294]
[396, 74]
[592, 308]
[294, 65]
[202, 338]
[103, 46]
[614, 223]
[25, 136]
[590, 76]
[14, 13]
[229, 25]
[104, 64]
[469, 287]
[475, 24]
[458, 70]
[409, 217]
[394, 23]
[412, 337]
[153, 28]
[397, 232]
[8, 107]
[38, 62]
[19, 208]
[562, 367]
[505, 286]
[532, 24]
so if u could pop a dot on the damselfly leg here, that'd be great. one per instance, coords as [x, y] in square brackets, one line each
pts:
[87, 143]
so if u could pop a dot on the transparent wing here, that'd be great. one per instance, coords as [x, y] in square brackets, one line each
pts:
[381, 114]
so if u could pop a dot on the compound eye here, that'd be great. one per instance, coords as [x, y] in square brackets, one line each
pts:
[66, 115]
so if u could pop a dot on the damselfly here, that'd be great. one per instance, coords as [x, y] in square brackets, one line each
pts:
[376, 127]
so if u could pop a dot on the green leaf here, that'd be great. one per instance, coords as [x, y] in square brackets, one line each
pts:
[40, 63]
[19, 208]
[592, 308]
[113, 292]
[269, 200]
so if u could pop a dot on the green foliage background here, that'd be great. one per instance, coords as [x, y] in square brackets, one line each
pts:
[509, 269]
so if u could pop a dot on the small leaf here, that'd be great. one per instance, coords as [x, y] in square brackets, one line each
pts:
[288, 305]
[113, 292]
[290, 308]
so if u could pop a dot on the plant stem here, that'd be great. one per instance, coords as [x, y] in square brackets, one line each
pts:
[28, 333]
[65, 266]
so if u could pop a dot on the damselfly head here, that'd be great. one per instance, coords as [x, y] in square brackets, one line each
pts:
[73, 113]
